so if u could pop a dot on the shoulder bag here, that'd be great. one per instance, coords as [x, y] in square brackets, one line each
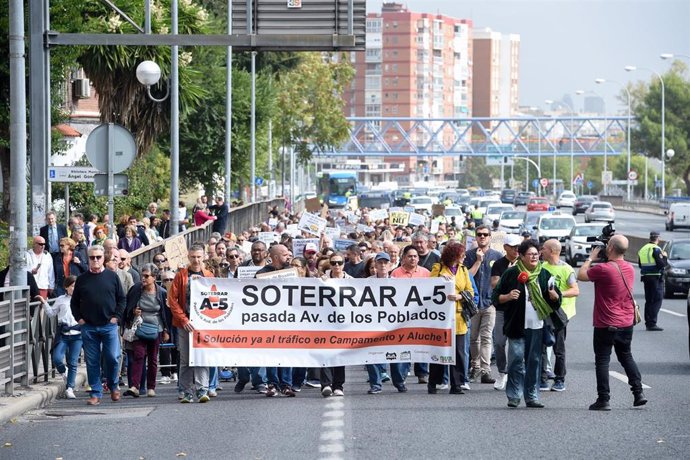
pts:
[147, 331]
[637, 319]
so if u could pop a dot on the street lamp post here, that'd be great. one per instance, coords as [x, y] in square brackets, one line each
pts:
[669, 154]
[672, 55]
[600, 81]
[631, 68]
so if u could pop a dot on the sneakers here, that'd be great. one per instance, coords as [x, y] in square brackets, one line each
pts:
[600, 405]
[212, 393]
[385, 377]
[239, 386]
[132, 391]
[655, 329]
[202, 396]
[326, 391]
[187, 398]
[513, 402]
[534, 404]
[338, 392]
[180, 395]
[173, 377]
[271, 391]
[558, 386]
[465, 386]
[457, 391]
[543, 386]
[423, 379]
[501, 382]
[431, 389]
[69, 394]
[165, 380]
[289, 392]
[640, 400]
[444, 386]
[312, 384]
[486, 378]
[402, 388]
[263, 389]
[374, 391]
[151, 393]
[474, 374]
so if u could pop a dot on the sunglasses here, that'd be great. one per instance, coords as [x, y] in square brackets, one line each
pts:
[337, 262]
[159, 261]
[168, 280]
[95, 257]
[233, 256]
[483, 235]
[224, 265]
[146, 275]
[40, 244]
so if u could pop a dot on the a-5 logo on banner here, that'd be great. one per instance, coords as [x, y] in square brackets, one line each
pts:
[214, 306]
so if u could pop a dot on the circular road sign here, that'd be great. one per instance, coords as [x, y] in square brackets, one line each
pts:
[544, 182]
[259, 181]
[123, 148]
[632, 175]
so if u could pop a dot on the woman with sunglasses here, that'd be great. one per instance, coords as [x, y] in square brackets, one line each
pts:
[148, 301]
[526, 294]
[333, 378]
[66, 264]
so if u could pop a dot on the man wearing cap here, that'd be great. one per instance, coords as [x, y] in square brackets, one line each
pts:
[382, 264]
[652, 261]
[510, 246]
[310, 252]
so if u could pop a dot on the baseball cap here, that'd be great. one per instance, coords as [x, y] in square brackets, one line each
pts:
[653, 235]
[382, 256]
[310, 247]
[512, 240]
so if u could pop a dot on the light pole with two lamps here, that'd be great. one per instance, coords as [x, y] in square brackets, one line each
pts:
[631, 68]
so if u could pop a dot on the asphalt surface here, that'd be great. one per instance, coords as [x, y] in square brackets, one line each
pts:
[390, 425]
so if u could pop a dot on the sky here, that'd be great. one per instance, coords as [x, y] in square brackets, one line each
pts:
[567, 44]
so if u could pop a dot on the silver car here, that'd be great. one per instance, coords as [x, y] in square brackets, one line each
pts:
[600, 210]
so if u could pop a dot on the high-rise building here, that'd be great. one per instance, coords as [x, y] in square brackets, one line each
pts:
[416, 65]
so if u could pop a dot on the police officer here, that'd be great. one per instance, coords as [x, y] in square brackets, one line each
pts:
[652, 261]
[477, 216]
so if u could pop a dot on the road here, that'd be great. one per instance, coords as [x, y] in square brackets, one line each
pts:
[391, 425]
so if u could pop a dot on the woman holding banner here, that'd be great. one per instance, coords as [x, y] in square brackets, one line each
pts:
[333, 378]
[452, 269]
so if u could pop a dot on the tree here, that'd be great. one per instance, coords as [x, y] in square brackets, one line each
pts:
[647, 135]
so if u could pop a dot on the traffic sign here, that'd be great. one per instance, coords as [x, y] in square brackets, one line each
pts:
[632, 174]
[544, 182]
[590, 185]
[535, 183]
[606, 177]
[120, 185]
[71, 174]
[98, 146]
[259, 181]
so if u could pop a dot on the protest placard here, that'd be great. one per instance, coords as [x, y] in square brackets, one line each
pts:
[312, 224]
[287, 273]
[340, 244]
[298, 245]
[268, 237]
[399, 218]
[176, 252]
[378, 214]
[247, 272]
[309, 322]
[416, 219]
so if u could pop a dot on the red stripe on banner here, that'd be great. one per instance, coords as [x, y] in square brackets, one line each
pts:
[322, 339]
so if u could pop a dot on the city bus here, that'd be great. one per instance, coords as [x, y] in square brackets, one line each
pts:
[338, 189]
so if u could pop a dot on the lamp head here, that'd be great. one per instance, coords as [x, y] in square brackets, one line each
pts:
[580, 92]
[666, 56]
[670, 153]
[548, 101]
[148, 73]
[599, 81]
[630, 68]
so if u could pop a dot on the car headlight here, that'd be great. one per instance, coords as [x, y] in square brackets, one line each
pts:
[579, 246]
[676, 271]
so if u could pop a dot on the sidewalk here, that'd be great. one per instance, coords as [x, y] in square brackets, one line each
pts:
[35, 396]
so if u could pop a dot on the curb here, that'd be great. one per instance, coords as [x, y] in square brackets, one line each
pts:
[36, 397]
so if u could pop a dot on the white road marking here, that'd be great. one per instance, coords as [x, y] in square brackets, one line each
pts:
[333, 423]
[331, 448]
[672, 313]
[332, 436]
[624, 378]
[334, 414]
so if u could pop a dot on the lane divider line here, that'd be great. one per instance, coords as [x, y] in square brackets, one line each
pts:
[332, 430]
[624, 378]
[672, 313]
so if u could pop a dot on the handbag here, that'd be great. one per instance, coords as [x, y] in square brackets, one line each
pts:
[469, 308]
[147, 331]
[637, 319]
[130, 332]
[548, 336]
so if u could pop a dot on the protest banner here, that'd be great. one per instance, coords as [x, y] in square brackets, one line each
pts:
[298, 245]
[312, 224]
[247, 272]
[340, 244]
[378, 214]
[309, 322]
[399, 218]
[268, 237]
[287, 273]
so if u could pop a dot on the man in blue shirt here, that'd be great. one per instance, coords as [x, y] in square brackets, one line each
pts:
[479, 262]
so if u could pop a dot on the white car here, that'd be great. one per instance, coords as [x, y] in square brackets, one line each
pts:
[600, 210]
[485, 201]
[678, 215]
[493, 212]
[422, 203]
[578, 245]
[510, 221]
[454, 214]
[566, 200]
[554, 225]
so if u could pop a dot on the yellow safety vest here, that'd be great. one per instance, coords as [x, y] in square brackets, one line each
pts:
[646, 255]
[476, 214]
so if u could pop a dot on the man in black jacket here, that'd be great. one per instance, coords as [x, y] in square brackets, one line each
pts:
[98, 303]
[220, 210]
[52, 232]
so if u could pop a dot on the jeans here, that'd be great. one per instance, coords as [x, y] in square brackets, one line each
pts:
[144, 350]
[500, 341]
[257, 375]
[107, 337]
[190, 378]
[280, 377]
[467, 355]
[653, 296]
[70, 345]
[481, 339]
[524, 366]
[299, 376]
[398, 374]
[333, 377]
[457, 372]
[619, 340]
[212, 378]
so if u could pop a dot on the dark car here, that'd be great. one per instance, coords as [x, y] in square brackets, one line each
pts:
[677, 272]
[522, 198]
[508, 196]
[582, 203]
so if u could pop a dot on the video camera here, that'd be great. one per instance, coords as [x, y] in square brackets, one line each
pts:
[602, 240]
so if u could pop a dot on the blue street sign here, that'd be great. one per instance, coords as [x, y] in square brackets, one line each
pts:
[259, 181]
[535, 183]
[590, 185]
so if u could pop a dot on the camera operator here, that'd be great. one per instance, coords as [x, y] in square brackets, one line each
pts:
[652, 261]
[614, 313]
